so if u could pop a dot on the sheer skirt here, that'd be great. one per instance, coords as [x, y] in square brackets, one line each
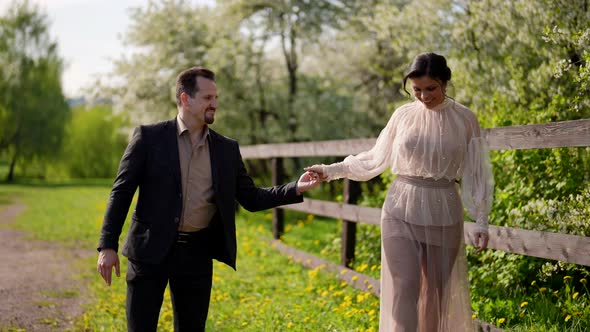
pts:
[424, 281]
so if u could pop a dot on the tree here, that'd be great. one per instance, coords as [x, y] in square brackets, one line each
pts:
[293, 22]
[33, 110]
[94, 142]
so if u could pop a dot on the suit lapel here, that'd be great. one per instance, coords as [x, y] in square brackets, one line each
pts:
[215, 157]
[172, 147]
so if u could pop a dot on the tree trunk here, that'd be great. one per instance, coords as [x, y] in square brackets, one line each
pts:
[10, 177]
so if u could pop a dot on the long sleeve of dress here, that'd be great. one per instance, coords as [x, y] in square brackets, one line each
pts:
[368, 164]
[477, 181]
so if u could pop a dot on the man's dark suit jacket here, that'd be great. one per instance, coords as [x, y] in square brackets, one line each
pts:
[151, 163]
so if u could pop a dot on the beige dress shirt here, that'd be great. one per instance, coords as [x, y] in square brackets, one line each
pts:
[198, 205]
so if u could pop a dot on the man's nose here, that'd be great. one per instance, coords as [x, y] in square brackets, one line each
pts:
[214, 104]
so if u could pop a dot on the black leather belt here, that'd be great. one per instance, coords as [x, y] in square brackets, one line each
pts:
[188, 237]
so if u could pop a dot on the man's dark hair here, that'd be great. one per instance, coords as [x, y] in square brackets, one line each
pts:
[187, 81]
[431, 65]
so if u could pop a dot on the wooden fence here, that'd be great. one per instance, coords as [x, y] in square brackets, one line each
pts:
[562, 247]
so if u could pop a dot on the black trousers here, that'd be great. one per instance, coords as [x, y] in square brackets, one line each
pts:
[189, 270]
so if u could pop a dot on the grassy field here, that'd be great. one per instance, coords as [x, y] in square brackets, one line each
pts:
[269, 292]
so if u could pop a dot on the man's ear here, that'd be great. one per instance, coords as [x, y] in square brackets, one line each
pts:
[184, 99]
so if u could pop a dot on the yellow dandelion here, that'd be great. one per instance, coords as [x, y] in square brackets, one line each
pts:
[583, 280]
[524, 304]
[354, 278]
[290, 325]
[343, 272]
[575, 295]
[567, 277]
[542, 289]
[244, 323]
[534, 282]
[521, 314]
[473, 316]
[568, 317]
[555, 292]
[501, 321]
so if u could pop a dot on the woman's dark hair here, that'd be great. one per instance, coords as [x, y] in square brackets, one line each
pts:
[431, 65]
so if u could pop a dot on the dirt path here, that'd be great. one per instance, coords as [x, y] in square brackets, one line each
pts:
[37, 288]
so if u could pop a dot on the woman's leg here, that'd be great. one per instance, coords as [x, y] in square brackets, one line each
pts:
[400, 284]
[437, 270]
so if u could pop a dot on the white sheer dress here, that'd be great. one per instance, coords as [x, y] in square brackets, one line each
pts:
[424, 281]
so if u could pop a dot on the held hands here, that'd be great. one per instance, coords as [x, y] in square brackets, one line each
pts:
[307, 181]
[312, 178]
[107, 258]
[318, 170]
[481, 240]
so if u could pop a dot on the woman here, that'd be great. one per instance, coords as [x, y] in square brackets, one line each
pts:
[429, 143]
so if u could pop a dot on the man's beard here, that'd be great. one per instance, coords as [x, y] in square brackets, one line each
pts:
[209, 118]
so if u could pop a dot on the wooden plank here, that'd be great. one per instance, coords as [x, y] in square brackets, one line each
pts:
[574, 133]
[562, 247]
[352, 191]
[349, 212]
[278, 215]
[547, 135]
[350, 276]
[308, 149]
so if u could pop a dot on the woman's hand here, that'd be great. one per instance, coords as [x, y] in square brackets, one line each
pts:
[481, 240]
[319, 170]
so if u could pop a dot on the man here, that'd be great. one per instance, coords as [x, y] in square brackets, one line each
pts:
[189, 178]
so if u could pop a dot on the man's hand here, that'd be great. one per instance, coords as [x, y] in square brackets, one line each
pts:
[307, 181]
[481, 240]
[107, 258]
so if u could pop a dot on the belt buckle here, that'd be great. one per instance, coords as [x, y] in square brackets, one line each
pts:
[182, 238]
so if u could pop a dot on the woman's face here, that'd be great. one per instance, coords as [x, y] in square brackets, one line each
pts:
[427, 90]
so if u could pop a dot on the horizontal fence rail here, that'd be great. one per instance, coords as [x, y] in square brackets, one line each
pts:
[563, 247]
[574, 133]
[349, 212]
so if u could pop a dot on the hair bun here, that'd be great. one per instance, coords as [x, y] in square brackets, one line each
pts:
[448, 73]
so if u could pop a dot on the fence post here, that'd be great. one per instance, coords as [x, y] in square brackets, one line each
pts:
[277, 214]
[352, 192]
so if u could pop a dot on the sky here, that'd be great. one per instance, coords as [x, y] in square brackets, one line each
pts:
[89, 34]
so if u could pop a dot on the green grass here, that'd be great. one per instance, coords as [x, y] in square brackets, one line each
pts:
[269, 292]
[322, 237]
